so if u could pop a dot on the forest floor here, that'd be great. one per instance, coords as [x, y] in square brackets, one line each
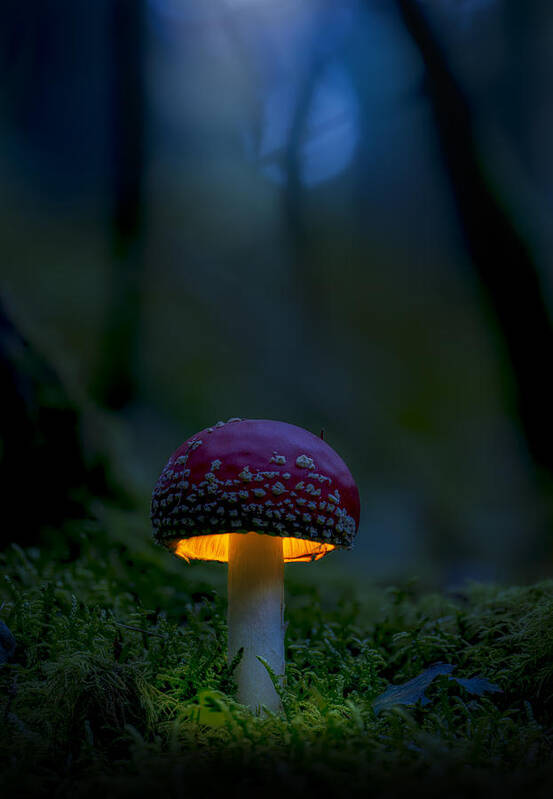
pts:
[118, 681]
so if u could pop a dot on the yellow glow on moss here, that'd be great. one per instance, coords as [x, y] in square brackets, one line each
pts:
[215, 547]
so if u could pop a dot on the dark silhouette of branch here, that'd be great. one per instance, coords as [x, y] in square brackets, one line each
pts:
[499, 253]
[45, 474]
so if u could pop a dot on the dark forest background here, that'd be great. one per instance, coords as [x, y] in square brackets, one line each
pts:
[337, 214]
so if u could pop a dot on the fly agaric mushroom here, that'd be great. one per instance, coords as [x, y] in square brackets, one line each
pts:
[255, 494]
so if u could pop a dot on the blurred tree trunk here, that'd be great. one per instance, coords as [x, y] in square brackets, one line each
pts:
[499, 253]
[115, 382]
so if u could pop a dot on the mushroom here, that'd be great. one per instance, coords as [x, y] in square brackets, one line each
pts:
[255, 494]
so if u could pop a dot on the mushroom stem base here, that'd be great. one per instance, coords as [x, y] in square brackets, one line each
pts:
[255, 615]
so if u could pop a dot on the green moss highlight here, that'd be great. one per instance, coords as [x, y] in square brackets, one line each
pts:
[120, 680]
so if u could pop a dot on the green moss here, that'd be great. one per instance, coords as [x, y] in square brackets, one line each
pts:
[120, 680]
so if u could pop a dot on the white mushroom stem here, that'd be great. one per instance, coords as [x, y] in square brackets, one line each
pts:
[255, 615]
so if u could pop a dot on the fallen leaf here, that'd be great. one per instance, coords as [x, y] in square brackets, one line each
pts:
[7, 643]
[413, 691]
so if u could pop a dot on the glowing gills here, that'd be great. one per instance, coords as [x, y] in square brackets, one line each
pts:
[216, 547]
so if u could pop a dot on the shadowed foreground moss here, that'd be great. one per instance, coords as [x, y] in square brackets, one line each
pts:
[119, 684]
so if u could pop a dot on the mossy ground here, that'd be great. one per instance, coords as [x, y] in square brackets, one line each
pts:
[119, 684]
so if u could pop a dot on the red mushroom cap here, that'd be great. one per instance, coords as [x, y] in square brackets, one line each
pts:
[255, 475]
